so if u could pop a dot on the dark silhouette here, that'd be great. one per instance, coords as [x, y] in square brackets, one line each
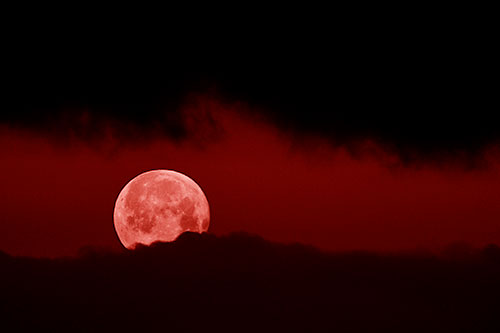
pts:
[241, 283]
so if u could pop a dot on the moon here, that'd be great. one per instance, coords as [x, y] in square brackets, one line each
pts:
[159, 205]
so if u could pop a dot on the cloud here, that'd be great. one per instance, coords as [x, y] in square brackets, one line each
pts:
[421, 101]
[243, 282]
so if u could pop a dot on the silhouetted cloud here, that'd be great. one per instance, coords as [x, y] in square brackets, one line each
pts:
[244, 283]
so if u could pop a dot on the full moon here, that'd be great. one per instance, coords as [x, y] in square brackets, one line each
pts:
[159, 205]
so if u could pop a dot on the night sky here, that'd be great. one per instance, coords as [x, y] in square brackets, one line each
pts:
[352, 171]
[59, 192]
[383, 146]
[392, 144]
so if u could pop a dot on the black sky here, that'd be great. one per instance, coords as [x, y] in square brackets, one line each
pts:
[420, 89]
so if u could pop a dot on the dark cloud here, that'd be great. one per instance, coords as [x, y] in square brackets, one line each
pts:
[243, 283]
[421, 92]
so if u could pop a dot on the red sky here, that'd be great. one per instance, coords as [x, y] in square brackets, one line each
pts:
[58, 197]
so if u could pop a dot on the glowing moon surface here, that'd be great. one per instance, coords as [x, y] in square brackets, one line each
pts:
[159, 205]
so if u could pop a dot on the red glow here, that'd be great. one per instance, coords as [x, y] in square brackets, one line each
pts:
[57, 199]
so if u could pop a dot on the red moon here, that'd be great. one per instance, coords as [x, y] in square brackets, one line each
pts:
[159, 205]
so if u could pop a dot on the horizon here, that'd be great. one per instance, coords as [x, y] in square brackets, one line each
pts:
[459, 250]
